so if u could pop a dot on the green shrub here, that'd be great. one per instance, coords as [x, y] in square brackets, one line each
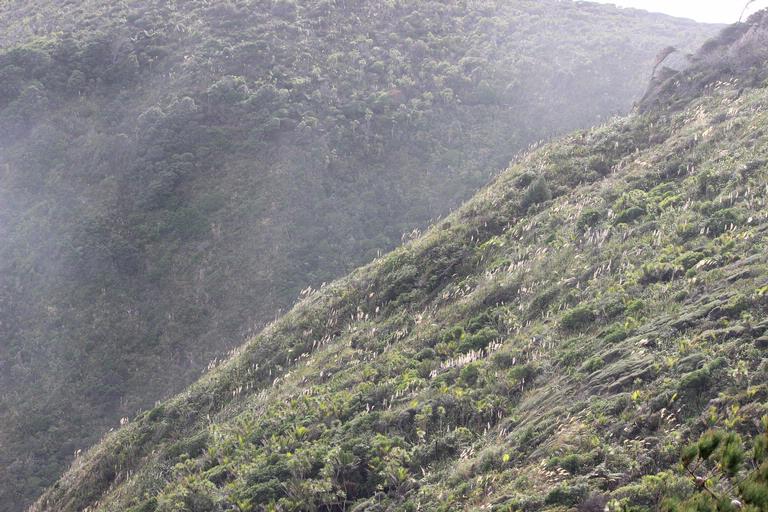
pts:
[426, 354]
[537, 192]
[503, 360]
[615, 335]
[588, 219]
[401, 281]
[689, 259]
[659, 273]
[694, 384]
[265, 492]
[479, 340]
[722, 220]
[686, 230]
[631, 206]
[470, 374]
[733, 308]
[542, 301]
[454, 334]
[522, 373]
[478, 322]
[593, 364]
[629, 215]
[191, 496]
[149, 505]
[577, 319]
[192, 446]
[715, 464]
[600, 165]
[573, 463]
[156, 413]
[566, 495]
[613, 307]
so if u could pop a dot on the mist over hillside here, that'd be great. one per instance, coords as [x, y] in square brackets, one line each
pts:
[173, 175]
[588, 332]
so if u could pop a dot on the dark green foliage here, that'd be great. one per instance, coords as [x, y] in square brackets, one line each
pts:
[542, 300]
[589, 218]
[659, 272]
[689, 259]
[708, 443]
[593, 364]
[149, 505]
[478, 340]
[578, 319]
[481, 321]
[264, 492]
[732, 456]
[156, 413]
[696, 382]
[191, 447]
[574, 463]
[723, 220]
[519, 374]
[732, 308]
[470, 374]
[426, 354]
[565, 495]
[504, 360]
[720, 455]
[615, 334]
[630, 214]
[600, 165]
[537, 192]
[455, 334]
[755, 492]
[400, 282]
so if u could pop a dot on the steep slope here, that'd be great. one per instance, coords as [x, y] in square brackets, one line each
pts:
[549, 345]
[174, 173]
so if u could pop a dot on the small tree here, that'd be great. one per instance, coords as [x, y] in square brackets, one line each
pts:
[726, 477]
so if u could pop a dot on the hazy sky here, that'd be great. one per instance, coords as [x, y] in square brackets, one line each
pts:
[715, 11]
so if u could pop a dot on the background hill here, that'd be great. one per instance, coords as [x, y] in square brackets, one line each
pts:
[173, 173]
[550, 345]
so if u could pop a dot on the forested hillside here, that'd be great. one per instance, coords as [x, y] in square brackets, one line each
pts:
[552, 345]
[172, 174]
